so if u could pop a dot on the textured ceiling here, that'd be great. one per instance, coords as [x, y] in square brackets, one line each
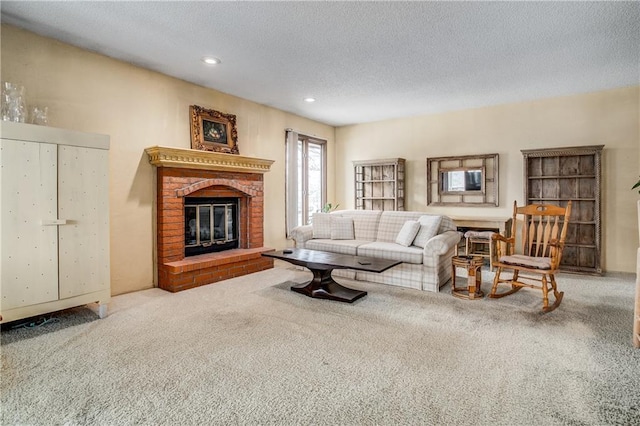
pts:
[362, 61]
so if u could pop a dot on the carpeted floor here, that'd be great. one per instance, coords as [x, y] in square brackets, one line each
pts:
[250, 351]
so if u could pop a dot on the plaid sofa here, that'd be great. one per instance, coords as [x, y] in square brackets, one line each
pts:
[374, 235]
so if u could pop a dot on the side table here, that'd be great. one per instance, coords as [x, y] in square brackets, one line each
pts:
[473, 265]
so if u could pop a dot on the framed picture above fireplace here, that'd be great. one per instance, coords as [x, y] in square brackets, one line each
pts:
[213, 130]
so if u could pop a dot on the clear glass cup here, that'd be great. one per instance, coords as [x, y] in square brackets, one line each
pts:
[13, 102]
[39, 115]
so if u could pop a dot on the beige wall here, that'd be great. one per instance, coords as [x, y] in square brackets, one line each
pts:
[139, 108]
[610, 118]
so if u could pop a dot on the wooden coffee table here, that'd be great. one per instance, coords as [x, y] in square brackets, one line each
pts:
[321, 263]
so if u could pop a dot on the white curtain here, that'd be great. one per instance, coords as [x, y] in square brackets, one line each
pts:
[291, 180]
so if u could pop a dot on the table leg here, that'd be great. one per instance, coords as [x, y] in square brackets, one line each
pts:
[453, 279]
[323, 286]
[471, 282]
[474, 282]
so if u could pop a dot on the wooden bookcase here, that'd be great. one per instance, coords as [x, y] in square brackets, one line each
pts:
[379, 184]
[557, 175]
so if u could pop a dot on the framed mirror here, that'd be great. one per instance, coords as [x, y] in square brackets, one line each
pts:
[470, 180]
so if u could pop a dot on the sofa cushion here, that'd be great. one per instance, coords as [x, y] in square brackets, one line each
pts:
[342, 228]
[429, 225]
[408, 232]
[391, 222]
[321, 225]
[365, 223]
[335, 246]
[447, 224]
[391, 251]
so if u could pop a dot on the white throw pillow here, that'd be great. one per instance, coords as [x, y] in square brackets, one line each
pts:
[321, 225]
[408, 233]
[342, 228]
[429, 226]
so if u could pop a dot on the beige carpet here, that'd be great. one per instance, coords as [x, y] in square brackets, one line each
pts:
[250, 351]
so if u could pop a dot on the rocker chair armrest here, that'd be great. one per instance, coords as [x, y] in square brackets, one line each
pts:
[498, 248]
[501, 238]
[556, 243]
[556, 247]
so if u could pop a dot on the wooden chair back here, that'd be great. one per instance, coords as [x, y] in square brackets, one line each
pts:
[544, 229]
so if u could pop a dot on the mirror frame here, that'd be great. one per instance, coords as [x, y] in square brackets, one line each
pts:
[486, 196]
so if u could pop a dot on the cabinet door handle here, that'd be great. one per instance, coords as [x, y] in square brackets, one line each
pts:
[55, 222]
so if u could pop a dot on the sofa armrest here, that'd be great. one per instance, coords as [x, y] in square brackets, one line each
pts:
[302, 234]
[441, 243]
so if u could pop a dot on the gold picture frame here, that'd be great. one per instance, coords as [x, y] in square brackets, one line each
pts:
[213, 130]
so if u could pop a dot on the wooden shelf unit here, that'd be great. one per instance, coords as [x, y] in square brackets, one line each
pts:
[379, 184]
[557, 175]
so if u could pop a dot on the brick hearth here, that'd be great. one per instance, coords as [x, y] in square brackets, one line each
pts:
[192, 173]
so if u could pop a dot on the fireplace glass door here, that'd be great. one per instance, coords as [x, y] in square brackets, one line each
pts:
[210, 225]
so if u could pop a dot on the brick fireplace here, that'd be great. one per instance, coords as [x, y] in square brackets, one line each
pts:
[183, 173]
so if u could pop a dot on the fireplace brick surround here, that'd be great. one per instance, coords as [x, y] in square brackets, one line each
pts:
[182, 173]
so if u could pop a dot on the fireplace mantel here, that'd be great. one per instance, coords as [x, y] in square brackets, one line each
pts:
[161, 156]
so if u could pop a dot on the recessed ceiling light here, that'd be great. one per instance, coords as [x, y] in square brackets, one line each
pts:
[211, 60]
[309, 99]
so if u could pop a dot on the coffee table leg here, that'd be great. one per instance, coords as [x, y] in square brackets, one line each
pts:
[323, 286]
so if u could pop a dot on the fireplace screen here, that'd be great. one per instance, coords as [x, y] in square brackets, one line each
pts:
[210, 225]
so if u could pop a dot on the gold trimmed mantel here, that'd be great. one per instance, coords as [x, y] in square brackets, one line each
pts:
[161, 156]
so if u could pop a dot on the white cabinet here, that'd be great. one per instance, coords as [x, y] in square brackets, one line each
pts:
[54, 220]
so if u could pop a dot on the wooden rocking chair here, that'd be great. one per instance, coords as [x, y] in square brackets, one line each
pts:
[544, 228]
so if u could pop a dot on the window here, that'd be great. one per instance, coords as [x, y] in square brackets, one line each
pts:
[306, 178]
